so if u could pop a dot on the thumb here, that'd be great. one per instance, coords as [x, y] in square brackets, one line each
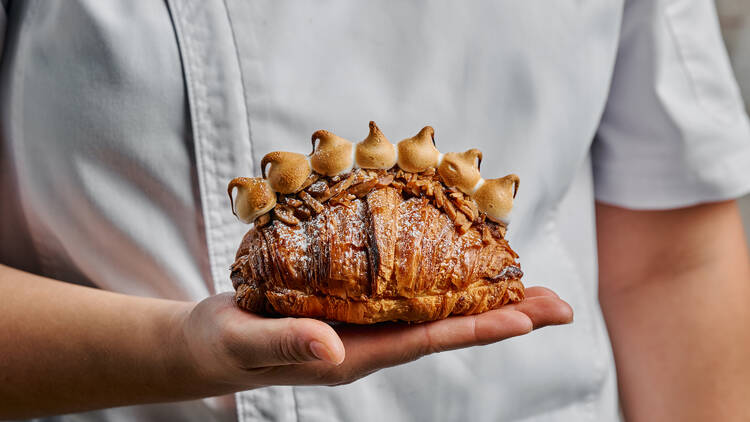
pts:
[288, 341]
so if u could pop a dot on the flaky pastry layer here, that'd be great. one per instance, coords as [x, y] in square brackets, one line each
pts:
[478, 298]
[405, 248]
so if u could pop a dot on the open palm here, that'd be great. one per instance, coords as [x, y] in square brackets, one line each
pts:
[246, 350]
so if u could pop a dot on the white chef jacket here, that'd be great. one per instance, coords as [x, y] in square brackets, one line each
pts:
[122, 121]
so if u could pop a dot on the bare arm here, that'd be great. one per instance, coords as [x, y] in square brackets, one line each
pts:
[675, 291]
[66, 348]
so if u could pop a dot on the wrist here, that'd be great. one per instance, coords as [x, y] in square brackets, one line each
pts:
[191, 357]
[182, 368]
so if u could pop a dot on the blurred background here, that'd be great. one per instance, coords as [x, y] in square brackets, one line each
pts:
[734, 16]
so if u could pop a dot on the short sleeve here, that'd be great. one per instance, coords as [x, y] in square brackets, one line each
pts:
[674, 131]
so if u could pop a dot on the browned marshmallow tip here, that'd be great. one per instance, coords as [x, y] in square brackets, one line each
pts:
[495, 197]
[254, 198]
[375, 151]
[461, 169]
[418, 153]
[288, 170]
[333, 154]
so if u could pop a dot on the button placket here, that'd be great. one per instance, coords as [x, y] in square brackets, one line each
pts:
[223, 151]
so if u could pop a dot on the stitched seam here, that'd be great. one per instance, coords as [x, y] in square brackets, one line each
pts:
[192, 75]
[204, 154]
[242, 84]
[296, 403]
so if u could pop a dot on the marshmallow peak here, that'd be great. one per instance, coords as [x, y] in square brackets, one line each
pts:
[375, 151]
[333, 154]
[495, 197]
[254, 198]
[288, 170]
[461, 169]
[418, 153]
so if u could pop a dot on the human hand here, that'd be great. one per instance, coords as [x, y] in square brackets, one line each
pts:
[241, 350]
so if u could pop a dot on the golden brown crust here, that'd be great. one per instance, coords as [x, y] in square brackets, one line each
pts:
[377, 246]
[495, 196]
[418, 153]
[461, 169]
[333, 154]
[375, 151]
[254, 198]
[473, 300]
[288, 170]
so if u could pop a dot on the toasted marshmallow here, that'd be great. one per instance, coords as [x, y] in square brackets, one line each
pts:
[418, 153]
[375, 151]
[495, 197]
[288, 170]
[461, 169]
[333, 154]
[254, 198]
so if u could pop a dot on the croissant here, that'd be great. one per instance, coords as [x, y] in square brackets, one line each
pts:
[376, 245]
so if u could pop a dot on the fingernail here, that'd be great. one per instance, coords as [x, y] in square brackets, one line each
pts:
[322, 352]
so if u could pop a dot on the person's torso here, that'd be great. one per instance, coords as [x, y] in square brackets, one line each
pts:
[122, 124]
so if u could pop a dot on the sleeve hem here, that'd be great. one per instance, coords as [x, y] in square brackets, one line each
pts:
[640, 189]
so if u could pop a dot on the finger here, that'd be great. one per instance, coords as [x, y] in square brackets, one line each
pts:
[394, 344]
[544, 310]
[371, 348]
[473, 330]
[540, 291]
[264, 342]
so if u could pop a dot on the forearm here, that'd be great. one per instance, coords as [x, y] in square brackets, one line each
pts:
[64, 348]
[677, 310]
[682, 347]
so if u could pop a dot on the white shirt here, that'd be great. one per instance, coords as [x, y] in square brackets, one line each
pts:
[122, 123]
